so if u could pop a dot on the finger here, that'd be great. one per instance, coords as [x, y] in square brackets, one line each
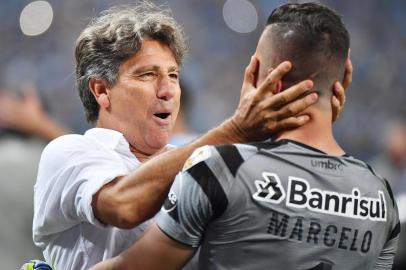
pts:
[296, 107]
[348, 74]
[292, 93]
[291, 122]
[336, 108]
[249, 75]
[339, 93]
[274, 77]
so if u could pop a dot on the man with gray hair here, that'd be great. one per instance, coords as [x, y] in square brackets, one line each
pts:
[93, 198]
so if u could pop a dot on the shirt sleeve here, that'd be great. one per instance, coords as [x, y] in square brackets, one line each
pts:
[195, 198]
[386, 257]
[69, 175]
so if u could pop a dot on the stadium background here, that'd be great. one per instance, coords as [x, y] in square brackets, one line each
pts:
[222, 35]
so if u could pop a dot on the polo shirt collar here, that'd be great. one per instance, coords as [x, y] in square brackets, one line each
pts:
[109, 138]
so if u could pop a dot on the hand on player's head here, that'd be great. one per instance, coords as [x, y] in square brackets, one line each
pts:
[339, 89]
[261, 113]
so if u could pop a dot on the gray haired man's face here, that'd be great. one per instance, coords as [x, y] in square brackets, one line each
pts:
[145, 99]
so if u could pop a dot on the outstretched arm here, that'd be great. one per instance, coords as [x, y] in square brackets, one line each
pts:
[129, 200]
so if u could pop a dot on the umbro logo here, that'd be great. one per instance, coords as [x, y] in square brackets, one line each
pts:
[327, 164]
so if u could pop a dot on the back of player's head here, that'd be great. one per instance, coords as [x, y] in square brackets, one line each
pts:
[312, 37]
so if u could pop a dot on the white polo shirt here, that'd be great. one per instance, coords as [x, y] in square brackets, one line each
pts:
[73, 168]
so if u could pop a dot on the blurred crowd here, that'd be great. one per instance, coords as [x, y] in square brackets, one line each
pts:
[38, 100]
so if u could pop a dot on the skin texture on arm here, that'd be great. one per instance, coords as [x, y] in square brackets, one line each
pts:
[130, 200]
[153, 251]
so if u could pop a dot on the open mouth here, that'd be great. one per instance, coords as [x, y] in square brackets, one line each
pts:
[162, 115]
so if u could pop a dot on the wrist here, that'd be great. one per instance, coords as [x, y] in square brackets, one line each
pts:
[232, 132]
[227, 132]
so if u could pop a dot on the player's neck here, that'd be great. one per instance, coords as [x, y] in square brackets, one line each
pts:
[318, 133]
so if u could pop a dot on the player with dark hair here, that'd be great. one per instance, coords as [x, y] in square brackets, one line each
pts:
[298, 202]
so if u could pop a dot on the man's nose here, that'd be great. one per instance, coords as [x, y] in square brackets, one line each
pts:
[166, 88]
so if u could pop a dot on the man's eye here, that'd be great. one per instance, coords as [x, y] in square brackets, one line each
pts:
[147, 74]
[174, 76]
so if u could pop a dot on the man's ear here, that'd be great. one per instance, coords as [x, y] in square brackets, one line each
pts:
[99, 90]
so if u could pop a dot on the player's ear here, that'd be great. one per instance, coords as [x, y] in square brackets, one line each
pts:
[99, 89]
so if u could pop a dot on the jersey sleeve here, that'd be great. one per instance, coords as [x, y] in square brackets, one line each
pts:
[195, 198]
[386, 258]
[69, 175]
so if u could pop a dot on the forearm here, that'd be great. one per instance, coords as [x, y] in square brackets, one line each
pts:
[154, 250]
[134, 198]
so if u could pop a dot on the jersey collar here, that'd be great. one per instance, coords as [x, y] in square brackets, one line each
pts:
[285, 141]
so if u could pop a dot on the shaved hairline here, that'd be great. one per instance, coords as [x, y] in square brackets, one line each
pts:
[284, 42]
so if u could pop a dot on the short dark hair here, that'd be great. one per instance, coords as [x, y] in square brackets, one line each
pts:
[313, 37]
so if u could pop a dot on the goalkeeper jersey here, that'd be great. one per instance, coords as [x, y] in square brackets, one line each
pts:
[281, 205]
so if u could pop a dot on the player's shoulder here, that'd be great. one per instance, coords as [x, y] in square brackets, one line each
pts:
[218, 158]
[375, 179]
[368, 169]
[244, 150]
[382, 180]
[199, 156]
